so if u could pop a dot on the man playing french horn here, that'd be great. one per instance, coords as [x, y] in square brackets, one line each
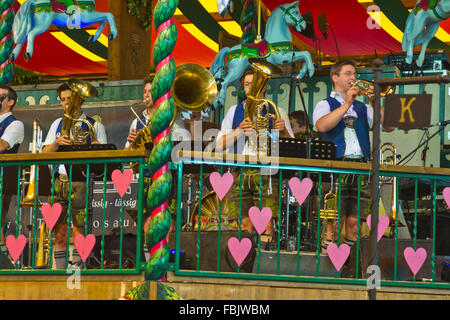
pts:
[55, 138]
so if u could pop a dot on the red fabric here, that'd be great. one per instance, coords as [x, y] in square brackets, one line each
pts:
[349, 21]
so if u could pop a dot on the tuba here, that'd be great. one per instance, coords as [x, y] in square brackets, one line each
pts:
[364, 87]
[388, 156]
[193, 89]
[143, 136]
[263, 71]
[81, 90]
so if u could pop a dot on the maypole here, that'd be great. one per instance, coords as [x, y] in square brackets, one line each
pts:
[161, 184]
[6, 40]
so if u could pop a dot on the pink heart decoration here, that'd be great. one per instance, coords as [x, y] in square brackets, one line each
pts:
[415, 259]
[221, 184]
[15, 246]
[338, 255]
[446, 194]
[260, 219]
[84, 245]
[300, 190]
[239, 250]
[122, 180]
[51, 214]
[383, 223]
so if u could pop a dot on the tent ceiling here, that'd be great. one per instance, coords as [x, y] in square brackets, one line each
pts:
[63, 52]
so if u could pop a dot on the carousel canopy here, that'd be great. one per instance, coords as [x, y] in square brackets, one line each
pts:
[360, 29]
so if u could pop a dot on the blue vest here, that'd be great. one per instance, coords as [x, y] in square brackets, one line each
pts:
[239, 117]
[83, 125]
[360, 125]
[3, 125]
[139, 124]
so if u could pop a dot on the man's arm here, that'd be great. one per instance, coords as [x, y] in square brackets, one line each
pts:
[227, 140]
[3, 145]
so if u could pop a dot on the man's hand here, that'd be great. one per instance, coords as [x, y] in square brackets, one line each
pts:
[352, 93]
[63, 140]
[246, 126]
[132, 135]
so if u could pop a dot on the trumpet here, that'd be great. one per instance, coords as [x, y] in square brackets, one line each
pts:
[364, 88]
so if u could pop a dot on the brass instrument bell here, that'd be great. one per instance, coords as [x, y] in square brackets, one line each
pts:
[364, 87]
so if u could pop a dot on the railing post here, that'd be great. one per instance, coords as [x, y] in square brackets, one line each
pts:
[375, 186]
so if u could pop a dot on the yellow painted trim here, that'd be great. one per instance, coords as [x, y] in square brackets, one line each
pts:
[67, 41]
[102, 39]
[387, 25]
[232, 27]
[209, 5]
[199, 35]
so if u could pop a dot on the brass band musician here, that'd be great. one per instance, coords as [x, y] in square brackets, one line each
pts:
[53, 141]
[11, 136]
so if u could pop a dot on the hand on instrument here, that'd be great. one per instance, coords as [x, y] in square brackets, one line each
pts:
[63, 140]
[280, 125]
[95, 142]
[132, 135]
[246, 126]
[352, 93]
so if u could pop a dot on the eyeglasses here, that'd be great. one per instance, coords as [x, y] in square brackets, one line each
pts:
[349, 73]
[247, 84]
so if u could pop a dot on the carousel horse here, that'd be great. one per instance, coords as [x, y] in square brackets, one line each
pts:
[275, 48]
[224, 7]
[421, 26]
[35, 17]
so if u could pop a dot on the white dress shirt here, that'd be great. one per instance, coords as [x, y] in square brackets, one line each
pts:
[352, 147]
[179, 132]
[52, 135]
[14, 133]
[227, 127]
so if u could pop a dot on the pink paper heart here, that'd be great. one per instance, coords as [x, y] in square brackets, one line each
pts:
[84, 245]
[221, 184]
[446, 194]
[15, 246]
[415, 259]
[383, 224]
[300, 190]
[122, 180]
[239, 250]
[51, 214]
[338, 255]
[260, 219]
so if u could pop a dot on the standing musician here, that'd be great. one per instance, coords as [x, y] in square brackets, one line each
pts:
[11, 135]
[346, 122]
[52, 143]
[233, 130]
[178, 131]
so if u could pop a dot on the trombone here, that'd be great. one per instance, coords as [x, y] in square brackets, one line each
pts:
[388, 156]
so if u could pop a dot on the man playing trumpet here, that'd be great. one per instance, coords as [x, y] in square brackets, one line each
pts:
[346, 122]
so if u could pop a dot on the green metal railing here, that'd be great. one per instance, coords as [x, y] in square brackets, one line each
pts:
[103, 167]
[322, 271]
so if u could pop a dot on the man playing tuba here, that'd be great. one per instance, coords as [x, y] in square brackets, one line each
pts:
[233, 131]
[53, 141]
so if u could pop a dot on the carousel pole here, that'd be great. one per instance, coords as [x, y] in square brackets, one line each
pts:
[247, 22]
[6, 40]
[161, 184]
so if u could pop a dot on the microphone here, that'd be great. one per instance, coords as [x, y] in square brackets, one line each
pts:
[443, 123]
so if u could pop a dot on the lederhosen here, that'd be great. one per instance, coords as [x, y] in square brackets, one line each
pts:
[78, 189]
